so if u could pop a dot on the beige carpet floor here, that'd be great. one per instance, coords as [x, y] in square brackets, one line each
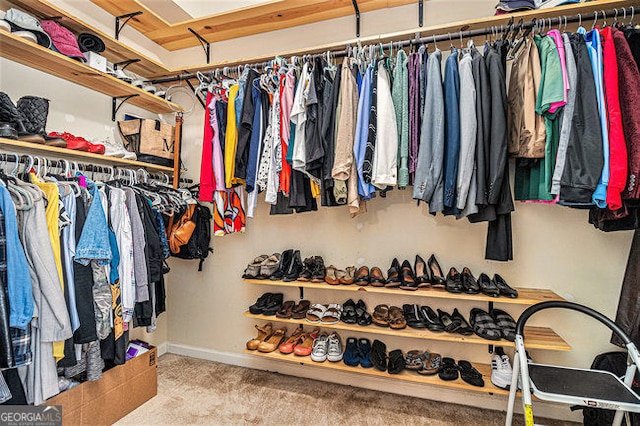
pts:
[198, 392]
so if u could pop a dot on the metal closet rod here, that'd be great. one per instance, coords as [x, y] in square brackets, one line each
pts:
[452, 37]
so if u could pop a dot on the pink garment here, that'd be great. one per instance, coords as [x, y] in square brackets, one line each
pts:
[557, 38]
[207, 185]
[218, 159]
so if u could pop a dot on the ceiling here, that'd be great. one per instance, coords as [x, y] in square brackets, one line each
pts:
[166, 22]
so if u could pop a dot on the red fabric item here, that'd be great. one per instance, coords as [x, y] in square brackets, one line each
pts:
[629, 80]
[207, 183]
[96, 148]
[617, 146]
[285, 173]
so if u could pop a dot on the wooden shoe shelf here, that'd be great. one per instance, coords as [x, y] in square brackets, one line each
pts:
[542, 338]
[405, 376]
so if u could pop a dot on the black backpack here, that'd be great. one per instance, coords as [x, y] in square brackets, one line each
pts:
[615, 362]
[198, 245]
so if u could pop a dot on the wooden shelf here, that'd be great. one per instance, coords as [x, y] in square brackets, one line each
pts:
[406, 375]
[115, 51]
[51, 151]
[35, 56]
[526, 296]
[535, 337]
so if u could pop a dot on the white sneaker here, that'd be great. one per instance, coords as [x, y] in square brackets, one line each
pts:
[501, 371]
[334, 351]
[320, 347]
[115, 148]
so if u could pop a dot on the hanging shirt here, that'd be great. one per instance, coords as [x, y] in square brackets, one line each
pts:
[231, 140]
[595, 54]
[121, 225]
[468, 129]
[452, 130]
[365, 190]
[415, 139]
[428, 184]
[617, 145]
[299, 118]
[367, 166]
[207, 184]
[385, 156]
[557, 39]
[287, 90]
[483, 128]
[218, 159]
[400, 94]
[245, 127]
[567, 114]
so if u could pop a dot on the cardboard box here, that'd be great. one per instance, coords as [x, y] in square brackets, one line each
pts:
[96, 61]
[121, 390]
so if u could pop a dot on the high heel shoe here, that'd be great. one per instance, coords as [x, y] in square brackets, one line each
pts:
[422, 273]
[437, 277]
[407, 276]
[393, 274]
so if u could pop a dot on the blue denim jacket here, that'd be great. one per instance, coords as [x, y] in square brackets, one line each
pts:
[18, 277]
[94, 240]
[452, 131]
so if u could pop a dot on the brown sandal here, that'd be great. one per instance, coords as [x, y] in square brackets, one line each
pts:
[300, 311]
[349, 276]
[331, 278]
[272, 342]
[263, 332]
[381, 315]
[396, 318]
[286, 311]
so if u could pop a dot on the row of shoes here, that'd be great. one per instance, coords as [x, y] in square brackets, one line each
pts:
[288, 266]
[494, 325]
[26, 121]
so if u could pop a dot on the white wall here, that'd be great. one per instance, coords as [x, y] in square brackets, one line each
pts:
[554, 247]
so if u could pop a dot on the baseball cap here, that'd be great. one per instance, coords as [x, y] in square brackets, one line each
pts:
[63, 40]
[21, 21]
[512, 5]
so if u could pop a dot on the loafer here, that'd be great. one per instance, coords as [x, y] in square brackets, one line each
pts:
[454, 281]
[504, 288]
[469, 283]
[487, 286]
[464, 328]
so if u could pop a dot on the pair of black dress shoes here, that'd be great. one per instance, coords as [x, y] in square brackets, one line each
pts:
[465, 282]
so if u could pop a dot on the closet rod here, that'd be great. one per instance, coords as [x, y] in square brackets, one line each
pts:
[10, 158]
[560, 20]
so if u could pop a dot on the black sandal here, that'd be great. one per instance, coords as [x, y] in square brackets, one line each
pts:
[469, 374]
[396, 362]
[448, 370]
[349, 315]
[451, 325]
[378, 355]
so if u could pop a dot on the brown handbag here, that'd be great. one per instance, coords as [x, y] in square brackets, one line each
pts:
[182, 230]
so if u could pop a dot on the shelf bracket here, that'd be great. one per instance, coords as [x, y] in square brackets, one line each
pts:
[124, 64]
[202, 102]
[126, 17]
[206, 45]
[115, 106]
[357, 11]
[420, 13]
[301, 292]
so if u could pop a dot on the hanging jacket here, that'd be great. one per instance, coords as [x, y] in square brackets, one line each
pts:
[207, 183]
[629, 83]
[452, 131]
[245, 127]
[428, 183]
